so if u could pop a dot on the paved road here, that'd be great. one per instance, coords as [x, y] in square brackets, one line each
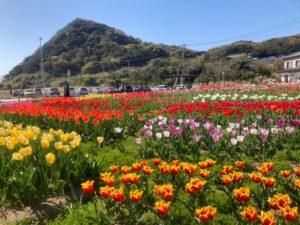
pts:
[7, 100]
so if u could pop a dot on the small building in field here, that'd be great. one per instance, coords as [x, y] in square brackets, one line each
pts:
[291, 70]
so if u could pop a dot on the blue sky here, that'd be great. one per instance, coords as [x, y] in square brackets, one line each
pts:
[209, 23]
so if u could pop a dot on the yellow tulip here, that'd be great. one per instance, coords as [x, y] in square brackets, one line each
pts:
[100, 140]
[51, 131]
[45, 143]
[50, 137]
[17, 156]
[73, 144]
[23, 140]
[25, 152]
[59, 132]
[2, 141]
[50, 158]
[58, 145]
[10, 145]
[64, 137]
[66, 149]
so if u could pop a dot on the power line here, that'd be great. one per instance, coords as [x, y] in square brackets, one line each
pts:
[261, 31]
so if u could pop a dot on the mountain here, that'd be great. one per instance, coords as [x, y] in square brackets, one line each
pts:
[273, 47]
[87, 47]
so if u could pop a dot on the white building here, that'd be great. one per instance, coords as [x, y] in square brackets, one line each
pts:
[291, 70]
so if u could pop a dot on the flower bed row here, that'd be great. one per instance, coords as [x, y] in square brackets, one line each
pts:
[35, 164]
[181, 191]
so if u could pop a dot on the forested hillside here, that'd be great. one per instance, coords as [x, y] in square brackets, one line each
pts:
[87, 47]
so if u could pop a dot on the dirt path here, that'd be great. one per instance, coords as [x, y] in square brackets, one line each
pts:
[45, 210]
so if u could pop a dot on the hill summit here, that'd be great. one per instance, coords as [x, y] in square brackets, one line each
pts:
[84, 46]
[107, 56]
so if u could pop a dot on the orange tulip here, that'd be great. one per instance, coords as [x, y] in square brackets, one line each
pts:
[249, 213]
[175, 162]
[205, 213]
[104, 176]
[165, 191]
[165, 168]
[237, 176]
[267, 218]
[137, 167]
[226, 169]
[107, 178]
[156, 161]
[297, 184]
[240, 164]
[242, 194]
[106, 191]
[109, 181]
[130, 178]
[297, 171]
[263, 169]
[190, 188]
[210, 162]
[279, 200]
[255, 177]
[144, 163]
[114, 169]
[285, 173]
[194, 185]
[288, 213]
[269, 181]
[118, 195]
[162, 207]
[125, 169]
[87, 186]
[188, 168]
[270, 165]
[148, 170]
[125, 179]
[204, 173]
[134, 178]
[203, 165]
[136, 195]
[175, 169]
[197, 183]
[227, 179]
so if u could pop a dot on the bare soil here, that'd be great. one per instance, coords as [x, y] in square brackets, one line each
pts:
[45, 210]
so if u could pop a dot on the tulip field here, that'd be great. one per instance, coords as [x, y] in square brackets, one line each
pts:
[217, 154]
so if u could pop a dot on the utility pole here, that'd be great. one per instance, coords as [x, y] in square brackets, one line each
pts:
[182, 68]
[68, 74]
[223, 76]
[219, 72]
[42, 65]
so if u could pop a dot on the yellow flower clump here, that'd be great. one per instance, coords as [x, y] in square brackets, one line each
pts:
[13, 137]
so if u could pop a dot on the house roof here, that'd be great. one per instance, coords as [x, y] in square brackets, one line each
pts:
[295, 54]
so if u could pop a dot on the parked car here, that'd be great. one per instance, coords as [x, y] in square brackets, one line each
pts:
[96, 90]
[52, 91]
[82, 91]
[179, 87]
[162, 87]
[108, 90]
[29, 92]
[146, 88]
[125, 88]
[38, 92]
[153, 88]
[72, 91]
[136, 88]
[17, 92]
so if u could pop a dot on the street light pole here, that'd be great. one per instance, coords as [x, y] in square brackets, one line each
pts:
[219, 72]
[42, 65]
